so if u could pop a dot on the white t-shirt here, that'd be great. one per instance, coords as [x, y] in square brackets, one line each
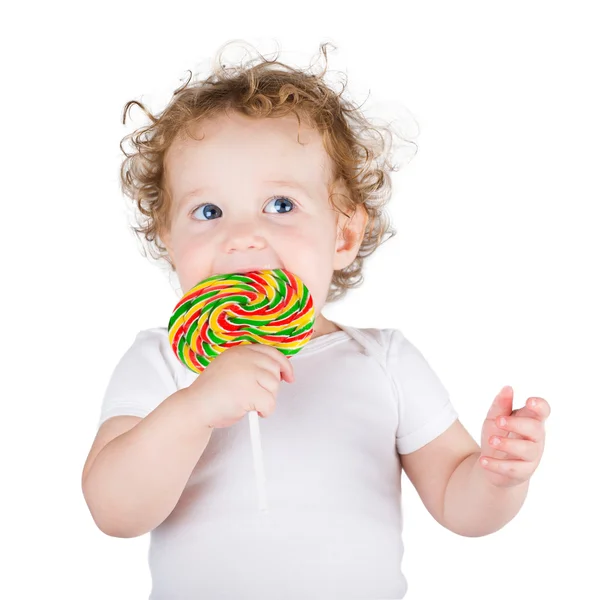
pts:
[362, 396]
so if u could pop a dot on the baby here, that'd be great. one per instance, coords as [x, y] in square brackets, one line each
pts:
[265, 167]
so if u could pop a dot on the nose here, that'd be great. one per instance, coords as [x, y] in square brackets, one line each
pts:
[243, 237]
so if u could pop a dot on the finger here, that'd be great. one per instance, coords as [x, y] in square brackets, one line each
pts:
[525, 411]
[502, 404]
[289, 373]
[272, 366]
[529, 428]
[517, 469]
[286, 369]
[266, 404]
[539, 406]
[522, 449]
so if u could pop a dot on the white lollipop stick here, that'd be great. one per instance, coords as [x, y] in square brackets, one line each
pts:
[257, 455]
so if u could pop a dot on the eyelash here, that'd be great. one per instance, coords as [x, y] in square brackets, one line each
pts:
[294, 203]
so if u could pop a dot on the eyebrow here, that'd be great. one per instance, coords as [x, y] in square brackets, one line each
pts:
[281, 182]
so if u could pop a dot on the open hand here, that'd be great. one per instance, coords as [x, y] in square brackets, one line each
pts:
[512, 441]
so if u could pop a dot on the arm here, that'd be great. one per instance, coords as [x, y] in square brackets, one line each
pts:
[136, 479]
[473, 506]
[452, 486]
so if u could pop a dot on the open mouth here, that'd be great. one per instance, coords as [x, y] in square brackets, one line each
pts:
[248, 269]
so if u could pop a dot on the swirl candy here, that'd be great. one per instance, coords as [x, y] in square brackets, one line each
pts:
[272, 307]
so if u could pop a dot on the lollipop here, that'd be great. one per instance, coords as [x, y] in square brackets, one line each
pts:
[272, 307]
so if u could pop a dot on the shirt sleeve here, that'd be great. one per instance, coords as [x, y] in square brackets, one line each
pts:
[142, 378]
[424, 407]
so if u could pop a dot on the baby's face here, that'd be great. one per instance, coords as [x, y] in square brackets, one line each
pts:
[249, 196]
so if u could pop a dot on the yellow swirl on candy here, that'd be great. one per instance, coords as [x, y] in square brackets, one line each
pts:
[271, 307]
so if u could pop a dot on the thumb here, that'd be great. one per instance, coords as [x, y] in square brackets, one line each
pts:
[502, 404]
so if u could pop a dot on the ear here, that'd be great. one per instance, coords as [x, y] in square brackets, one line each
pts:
[350, 234]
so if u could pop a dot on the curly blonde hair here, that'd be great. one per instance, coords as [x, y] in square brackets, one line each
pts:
[357, 148]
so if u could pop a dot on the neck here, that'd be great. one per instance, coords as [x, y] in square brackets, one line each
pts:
[323, 326]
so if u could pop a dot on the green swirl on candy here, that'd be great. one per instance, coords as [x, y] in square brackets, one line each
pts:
[271, 306]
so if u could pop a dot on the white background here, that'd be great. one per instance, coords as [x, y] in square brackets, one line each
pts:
[493, 274]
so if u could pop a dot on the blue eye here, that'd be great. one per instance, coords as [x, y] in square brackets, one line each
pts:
[208, 209]
[212, 211]
[278, 204]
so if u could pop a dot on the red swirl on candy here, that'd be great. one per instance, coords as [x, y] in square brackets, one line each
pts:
[271, 306]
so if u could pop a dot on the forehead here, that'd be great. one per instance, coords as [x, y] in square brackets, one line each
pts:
[265, 148]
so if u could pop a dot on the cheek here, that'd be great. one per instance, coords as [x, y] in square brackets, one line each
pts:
[310, 236]
[191, 264]
[309, 255]
[310, 250]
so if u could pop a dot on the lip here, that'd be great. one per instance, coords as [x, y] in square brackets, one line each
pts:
[248, 269]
